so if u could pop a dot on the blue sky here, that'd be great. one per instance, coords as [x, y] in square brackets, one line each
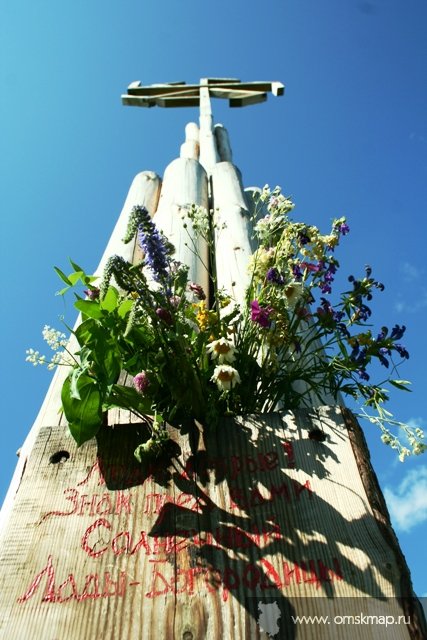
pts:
[349, 138]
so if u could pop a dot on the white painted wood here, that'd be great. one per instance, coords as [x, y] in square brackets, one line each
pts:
[191, 147]
[144, 190]
[223, 143]
[208, 152]
[184, 183]
[233, 247]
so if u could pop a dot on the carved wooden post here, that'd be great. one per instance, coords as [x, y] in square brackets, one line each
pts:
[257, 525]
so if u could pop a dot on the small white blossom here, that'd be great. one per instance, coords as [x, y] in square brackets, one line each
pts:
[403, 454]
[293, 292]
[54, 338]
[199, 217]
[34, 357]
[221, 350]
[226, 377]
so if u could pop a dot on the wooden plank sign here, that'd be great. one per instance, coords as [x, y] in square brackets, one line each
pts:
[239, 531]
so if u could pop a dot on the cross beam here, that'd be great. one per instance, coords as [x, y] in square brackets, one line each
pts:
[179, 94]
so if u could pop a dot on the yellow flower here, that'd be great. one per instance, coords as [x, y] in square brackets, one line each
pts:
[202, 316]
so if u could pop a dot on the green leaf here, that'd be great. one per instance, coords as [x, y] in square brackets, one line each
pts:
[63, 277]
[90, 308]
[62, 291]
[128, 398]
[400, 384]
[86, 331]
[109, 302]
[111, 363]
[75, 266]
[74, 380]
[84, 416]
[125, 307]
[76, 276]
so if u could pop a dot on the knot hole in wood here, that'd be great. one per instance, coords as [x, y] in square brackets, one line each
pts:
[59, 456]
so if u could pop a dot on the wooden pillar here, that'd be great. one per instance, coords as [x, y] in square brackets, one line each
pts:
[184, 183]
[233, 538]
[144, 190]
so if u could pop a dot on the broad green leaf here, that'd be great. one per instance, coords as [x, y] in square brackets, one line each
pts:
[86, 331]
[84, 416]
[89, 308]
[74, 383]
[125, 307]
[111, 363]
[76, 276]
[128, 398]
[109, 302]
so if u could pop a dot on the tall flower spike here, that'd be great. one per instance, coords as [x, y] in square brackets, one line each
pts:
[118, 267]
[156, 247]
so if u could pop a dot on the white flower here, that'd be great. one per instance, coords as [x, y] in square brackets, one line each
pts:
[403, 453]
[226, 377]
[34, 357]
[293, 293]
[54, 338]
[221, 350]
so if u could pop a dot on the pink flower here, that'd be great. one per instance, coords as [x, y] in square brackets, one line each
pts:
[260, 315]
[141, 382]
[92, 294]
[197, 290]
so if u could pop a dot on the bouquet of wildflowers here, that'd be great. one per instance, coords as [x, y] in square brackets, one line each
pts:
[287, 346]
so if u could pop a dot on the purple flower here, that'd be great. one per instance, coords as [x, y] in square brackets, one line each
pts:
[164, 314]
[397, 332]
[325, 287]
[381, 356]
[274, 276]
[296, 272]
[343, 228]
[260, 315]
[155, 246]
[401, 351]
[382, 334]
[313, 268]
[141, 382]
[362, 374]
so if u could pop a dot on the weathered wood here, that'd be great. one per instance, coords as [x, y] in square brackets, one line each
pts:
[254, 516]
[223, 143]
[144, 190]
[184, 184]
[208, 151]
[191, 147]
[233, 241]
[179, 94]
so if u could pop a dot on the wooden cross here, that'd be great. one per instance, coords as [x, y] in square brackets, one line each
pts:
[179, 94]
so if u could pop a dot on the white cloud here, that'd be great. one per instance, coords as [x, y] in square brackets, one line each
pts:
[408, 504]
[416, 423]
[410, 271]
[418, 302]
